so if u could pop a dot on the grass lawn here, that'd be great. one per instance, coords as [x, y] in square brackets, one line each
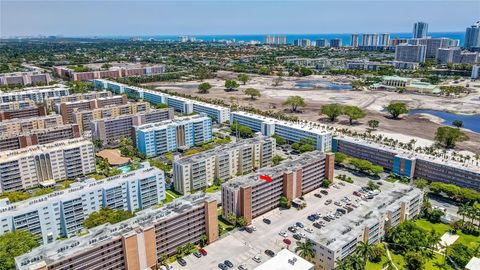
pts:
[223, 223]
[399, 261]
[468, 240]
[170, 195]
[213, 188]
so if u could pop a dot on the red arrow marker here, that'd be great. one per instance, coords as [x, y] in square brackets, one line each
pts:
[265, 178]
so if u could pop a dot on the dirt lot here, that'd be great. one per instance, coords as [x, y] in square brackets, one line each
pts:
[422, 127]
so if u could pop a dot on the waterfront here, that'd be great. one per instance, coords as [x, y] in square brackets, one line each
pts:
[471, 122]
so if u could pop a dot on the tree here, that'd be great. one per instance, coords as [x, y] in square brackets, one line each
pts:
[325, 183]
[244, 78]
[457, 123]
[106, 215]
[388, 265]
[396, 109]
[448, 136]
[13, 244]
[16, 196]
[98, 143]
[332, 111]
[295, 102]
[414, 261]
[305, 249]
[276, 160]
[285, 202]
[279, 140]
[231, 85]
[365, 250]
[358, 84]
[277, 81]
[241, 221]
[243, 131]
[420, 183]
[306, 148]
[305, 71]
[373, 124]
[252, 92]
[353, 113]
[203, 240]
[204, 87]
[232, 218]
[371, 185]
[264, 71]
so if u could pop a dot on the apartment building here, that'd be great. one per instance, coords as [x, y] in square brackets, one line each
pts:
[84, 117]
[35, 94]
[455, 55]
[25, 78]
[42, 165]
[12, 141]
[410, 53]
[51, 101]
[66, 109]
[292, 132]
[366, 223]
[199, 171]
[61, 214]
[15, 105]
[112, 129]
[218, 114]
[434, 44]
[25, 112]
[158, 138]
[116, 70]
[26, 124]
[409, 164]
[250, 197]
[134, 244]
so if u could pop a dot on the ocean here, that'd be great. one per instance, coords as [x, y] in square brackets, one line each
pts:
[291, 37]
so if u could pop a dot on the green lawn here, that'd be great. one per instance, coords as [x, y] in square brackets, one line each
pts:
[223, 223]
[170, 195]
[212, 188]
[441, 228]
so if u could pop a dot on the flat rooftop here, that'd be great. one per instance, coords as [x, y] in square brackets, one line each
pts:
[179, 120]
[61, 249]
[30, 119]
[286, 260]
[4, 136]
[114, 66]
[39, 89]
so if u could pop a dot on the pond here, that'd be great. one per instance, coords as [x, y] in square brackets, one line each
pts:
[471, 122]
[322, 85]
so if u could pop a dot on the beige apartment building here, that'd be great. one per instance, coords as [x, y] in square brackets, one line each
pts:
[66, 109]
[224, 162]
[43, 165]
[134, 244]
[16, 105]
[51, 101]
[249, 196]
[25, 112]
[26, 124]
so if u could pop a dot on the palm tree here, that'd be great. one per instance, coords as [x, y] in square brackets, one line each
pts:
[365, 250]
[356, 262]
[462, 211]
[305, 249]
[343, 264]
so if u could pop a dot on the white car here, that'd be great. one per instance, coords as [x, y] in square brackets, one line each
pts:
[302, 235]
[257, 259]
[283, 234]
[310, 230]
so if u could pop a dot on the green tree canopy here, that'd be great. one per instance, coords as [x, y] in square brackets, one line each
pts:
[353, 113]
[332, 111]
[244, 78]
[373, 124]
[106, 215]
[231, 85]
[204, 87]
[295, 102]
[396, 109]
[13, 244]
[243, 131]
[448, 136]
[252, 92]
[264, 71]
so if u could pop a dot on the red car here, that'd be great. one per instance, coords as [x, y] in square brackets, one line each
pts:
[203, 251]
[287, 241]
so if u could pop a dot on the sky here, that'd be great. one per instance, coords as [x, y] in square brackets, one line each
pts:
[136, 18]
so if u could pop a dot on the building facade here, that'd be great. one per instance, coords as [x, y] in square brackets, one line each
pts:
[455, 55]
[26, 112]
[61, 214]
[26, 124]
[410, 53]
[42, 165]
[420, 30]
[66, 109]
[113, 72]
[354, 38]
[199, 171]
[51, 101]
[25, 78]
[434, 44]
[472, 36]
[35, 94]
[336, 43]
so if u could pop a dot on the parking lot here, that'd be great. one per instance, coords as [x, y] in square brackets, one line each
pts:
[240, 246]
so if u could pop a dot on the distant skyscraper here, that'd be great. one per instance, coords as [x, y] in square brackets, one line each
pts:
[302, 42]
[385, 41]
[420, 30]
[433, 44]
[281, 40]
[270, 40]
[276, 40]
[321, 42]
[472, 36]
[370, 40]
[336, 43]
[410, 53]
[354, 40]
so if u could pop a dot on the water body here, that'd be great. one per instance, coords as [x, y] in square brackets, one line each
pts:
[323, 85]
[471, 122]
[125, 168]
[291, 37]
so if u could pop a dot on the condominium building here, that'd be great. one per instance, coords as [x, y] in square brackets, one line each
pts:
[35, 94]
[184, 132]
[410, 53]
[223, 162]
[112, 129]
[354, 38]
[26, 112]
[25, 78]
[420, 30]
[302, 42]
[66, 109]
[218, 114]
[384, 39]
[51, 101]
[291, 131]
[26, 124]
[409, 164]
[475, 74]
[249, 196]
[84, 117]
[12, 141]
[336, 42]
[369, 39]
[434, 44]
[42, 165]
[472, 36]
[365, 65]
[15, 105]
[61, 214]
[455, 55]
[367, 223]
[116, 70]
[317, 63]
[321, 43]
[135, 244]
[278, 40]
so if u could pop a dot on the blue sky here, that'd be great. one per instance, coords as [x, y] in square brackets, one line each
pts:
[89, 18]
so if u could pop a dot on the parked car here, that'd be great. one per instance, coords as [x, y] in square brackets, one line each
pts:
[269, 253]
[287, 241]
[327, 202]
[257, 259]
[324, 192]
[310, 230]
[356, 193]
[341, 183]
[267, 221]
[181, 261]
[299, 225]
[249, 229]
[318, 195]
[242, 267]
[203, 251]
[197, 254]
[222, 266]
[311, 218]
[228, 263]
[317, 225]
[292, 229]
[297, 236]
[283, 234]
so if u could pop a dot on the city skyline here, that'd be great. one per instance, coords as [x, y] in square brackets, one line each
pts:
[33, 18]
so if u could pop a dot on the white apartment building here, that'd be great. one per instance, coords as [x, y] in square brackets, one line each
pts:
[224, 162]
[292, 132]
[42, 165]
[366, 223]
[36, 94]
[61, 214]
